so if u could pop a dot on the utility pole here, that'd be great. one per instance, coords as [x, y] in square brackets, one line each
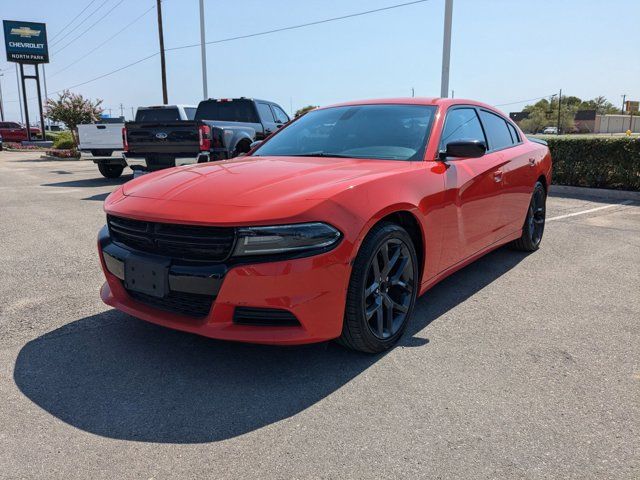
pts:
[203, 53]
[453, 94]
[413, 92]
[559, 110]
[163, 67]
[446, 48]
[133, 115]
[19, 93]
[624, 98]
[1, 101]
[121, 111]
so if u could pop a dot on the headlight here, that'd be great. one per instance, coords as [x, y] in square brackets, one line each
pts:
[285, 238]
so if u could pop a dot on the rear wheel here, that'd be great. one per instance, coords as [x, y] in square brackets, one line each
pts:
[382, 290]
[534, 223]
[110, 171]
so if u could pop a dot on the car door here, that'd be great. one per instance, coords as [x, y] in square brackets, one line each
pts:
[520, 176]
[473, 189]
[266, 118]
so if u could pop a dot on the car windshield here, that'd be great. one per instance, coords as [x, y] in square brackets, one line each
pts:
[386, 132]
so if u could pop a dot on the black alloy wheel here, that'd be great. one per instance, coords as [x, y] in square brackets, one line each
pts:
[382, 291]
[534, 223]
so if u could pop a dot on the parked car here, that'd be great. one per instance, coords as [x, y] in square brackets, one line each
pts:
[550, 130]
[14, 132]
[220, 129]
[330, 228]
[104, 139]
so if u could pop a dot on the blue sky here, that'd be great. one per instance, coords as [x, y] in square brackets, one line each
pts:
[502, 50]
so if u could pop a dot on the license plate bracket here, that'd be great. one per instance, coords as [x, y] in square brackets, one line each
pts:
[146, 274]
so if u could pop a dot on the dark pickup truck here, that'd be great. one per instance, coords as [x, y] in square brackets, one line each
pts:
[221, 129]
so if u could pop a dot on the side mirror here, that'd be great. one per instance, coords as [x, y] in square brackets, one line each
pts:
[255, 144]
[464, 149]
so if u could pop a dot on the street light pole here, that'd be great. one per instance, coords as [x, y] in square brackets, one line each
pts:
[624, 97]
[163, 67]
[446, 48]
[203, 53]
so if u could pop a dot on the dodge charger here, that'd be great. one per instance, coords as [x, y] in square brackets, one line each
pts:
[331, 228]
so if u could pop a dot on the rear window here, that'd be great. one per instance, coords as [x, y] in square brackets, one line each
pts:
[157, 115]
[190, 112]
[497, 130]
[231, 111]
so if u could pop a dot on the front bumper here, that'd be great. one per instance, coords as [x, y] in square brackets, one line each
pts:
[313, 289]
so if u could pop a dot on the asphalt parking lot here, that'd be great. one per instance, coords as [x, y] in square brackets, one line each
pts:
[518, 366]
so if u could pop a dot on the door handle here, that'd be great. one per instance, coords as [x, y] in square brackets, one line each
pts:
[532, 162]
[497, 176]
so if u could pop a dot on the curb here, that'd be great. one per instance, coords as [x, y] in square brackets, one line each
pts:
[584, 192]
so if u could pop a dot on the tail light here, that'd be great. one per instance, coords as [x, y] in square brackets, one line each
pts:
[205, 139]
[125, 142]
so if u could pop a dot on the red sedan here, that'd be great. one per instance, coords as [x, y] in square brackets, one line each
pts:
[14, 132]
[329, 229]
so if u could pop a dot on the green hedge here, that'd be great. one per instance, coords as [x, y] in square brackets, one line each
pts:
[64, 140]
[601, 162]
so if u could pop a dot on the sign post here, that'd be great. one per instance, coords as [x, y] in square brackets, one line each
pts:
[26, 43]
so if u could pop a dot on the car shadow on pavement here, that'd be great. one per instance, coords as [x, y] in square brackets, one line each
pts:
[115, 376]
[90, 182]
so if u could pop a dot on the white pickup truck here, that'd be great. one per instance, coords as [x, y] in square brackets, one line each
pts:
[102, 139]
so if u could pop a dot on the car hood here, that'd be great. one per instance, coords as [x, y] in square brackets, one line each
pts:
[259, 181]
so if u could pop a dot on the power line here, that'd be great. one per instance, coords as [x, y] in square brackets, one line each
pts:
[53, 44]
[302, 25]
[522, 101]
[390, 7]
[72, 20]
[91, 26]
[101, 44]
[107, 74]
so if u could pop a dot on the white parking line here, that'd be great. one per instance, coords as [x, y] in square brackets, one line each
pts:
[559, 217]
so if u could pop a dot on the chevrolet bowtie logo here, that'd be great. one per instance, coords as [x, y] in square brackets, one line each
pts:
[25, 32]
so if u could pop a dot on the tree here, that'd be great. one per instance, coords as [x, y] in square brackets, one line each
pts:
[73, 109]
[304, 110]
[600, 104]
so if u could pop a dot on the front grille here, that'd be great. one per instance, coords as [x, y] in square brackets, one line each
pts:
[266, 317]
[188, 242]
[189, 304]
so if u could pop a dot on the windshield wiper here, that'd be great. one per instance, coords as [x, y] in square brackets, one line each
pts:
[319, 154]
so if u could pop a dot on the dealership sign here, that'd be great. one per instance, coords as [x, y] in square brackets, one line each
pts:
[26, 42]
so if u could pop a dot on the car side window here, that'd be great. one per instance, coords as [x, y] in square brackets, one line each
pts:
[265, 112]
[461, 124]
[497, 130]
[514, 133]
[281, 117]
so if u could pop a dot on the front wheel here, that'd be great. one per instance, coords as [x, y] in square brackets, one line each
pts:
[110, 171]
[382, 290]
[533, 227]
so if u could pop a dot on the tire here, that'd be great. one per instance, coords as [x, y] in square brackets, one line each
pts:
[533, 227]
[110, 171]
[377, 313]
[241, 147]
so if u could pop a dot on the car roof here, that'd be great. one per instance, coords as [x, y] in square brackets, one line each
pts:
[168, 106]
[432, 101]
